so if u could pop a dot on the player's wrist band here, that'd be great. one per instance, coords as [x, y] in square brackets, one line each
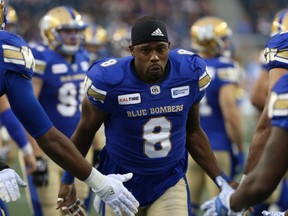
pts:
[67, 178]
[224, 176]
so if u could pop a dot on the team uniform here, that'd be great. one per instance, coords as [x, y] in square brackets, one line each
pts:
[223, 72]
[155, 149]
[16, 72]
[60, 96]
[275, 53]
[17, 63]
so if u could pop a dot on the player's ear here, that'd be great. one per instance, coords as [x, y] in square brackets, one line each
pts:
[131, 48]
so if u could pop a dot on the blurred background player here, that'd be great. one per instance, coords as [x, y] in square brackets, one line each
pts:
[61, 64]
[119, 39]
[278, 200]
[95, 41]
[219, 113]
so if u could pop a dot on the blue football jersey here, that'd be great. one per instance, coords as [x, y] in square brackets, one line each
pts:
[62, 90]
[223, 71]
[14, 56]
[278, 103]
[276, 51]
[146, 130]
[17, 58]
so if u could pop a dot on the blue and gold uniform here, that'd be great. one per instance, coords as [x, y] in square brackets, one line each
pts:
[154, 149]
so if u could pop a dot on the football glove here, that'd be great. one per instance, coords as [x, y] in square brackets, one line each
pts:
[9, 181]
[266, 213]
[220, 205]
[113, 193]
[40, 176]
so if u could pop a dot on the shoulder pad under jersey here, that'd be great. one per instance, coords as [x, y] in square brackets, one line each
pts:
[191, 66]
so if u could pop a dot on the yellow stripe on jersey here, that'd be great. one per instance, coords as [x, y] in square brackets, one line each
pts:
[278, 105]
[40, 66]
[97, 94]
[282, 54]
[281, 104]
[13, 55]
[204, 81]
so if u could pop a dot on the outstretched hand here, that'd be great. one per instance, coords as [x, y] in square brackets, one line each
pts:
[117, 196]
[9, 185]
[220, 205]
[68, 201]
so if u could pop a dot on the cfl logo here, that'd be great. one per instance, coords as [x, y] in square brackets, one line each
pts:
[155, 90]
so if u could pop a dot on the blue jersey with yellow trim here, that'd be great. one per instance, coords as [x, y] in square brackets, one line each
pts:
[276, 51]
[146, 130]
[14, 56]
[278, 103]
[17, 59]
[223, 71]
[62, 90]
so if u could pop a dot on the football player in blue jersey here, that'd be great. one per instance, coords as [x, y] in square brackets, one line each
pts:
[149, 104]
[273, 164]
[61, 65]
[220, 116]
[258, 99]
[16, 68]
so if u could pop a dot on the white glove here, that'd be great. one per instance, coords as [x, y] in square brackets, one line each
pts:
[220, 205]
[9, 181]
[113, 193]
[267, 213]
[97, 204]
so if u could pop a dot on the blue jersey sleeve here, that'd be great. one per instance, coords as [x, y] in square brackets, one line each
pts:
[278, 103]
[276, 51]
[26, 107]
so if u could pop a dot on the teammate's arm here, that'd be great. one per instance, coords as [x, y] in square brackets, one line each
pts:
[260, 90]
[261, 182]
[263, 127]
[232, 116]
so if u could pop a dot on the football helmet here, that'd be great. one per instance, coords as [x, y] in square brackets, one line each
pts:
[12, 17]
[120, 40]
[95, 40]
[211, 35]
[3, 12]
[280, 22]
[62, 29]
[96, 36]
[12, 20]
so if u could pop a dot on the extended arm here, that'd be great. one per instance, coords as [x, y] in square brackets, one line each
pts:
[261, 182]
[263, 127]
[198, 145]
[231, 114]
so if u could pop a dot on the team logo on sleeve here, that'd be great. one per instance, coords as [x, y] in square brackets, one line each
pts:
[180, 91]
[278, 105]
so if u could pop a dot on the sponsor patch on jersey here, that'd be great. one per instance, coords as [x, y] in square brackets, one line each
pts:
[180, 91]
[129, 99]
[59, 68]
[155, 89]
[97, 94]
